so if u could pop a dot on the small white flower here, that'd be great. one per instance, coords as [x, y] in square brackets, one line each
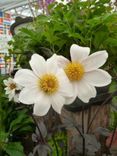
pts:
[45, 85]
[12, 89]
[83, 71]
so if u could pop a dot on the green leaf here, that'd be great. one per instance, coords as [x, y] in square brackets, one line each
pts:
[100, 37]
[114, 100]
[111, 41]
[22, 120]
[113, 86]
[3, 139]
[3, 136]
[14, 149]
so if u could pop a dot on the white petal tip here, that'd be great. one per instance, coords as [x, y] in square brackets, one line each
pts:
[39, 113]
[74, 46]
[105, 54]
[87, 101]
[108, 80]
[35, 55]
[59, 112]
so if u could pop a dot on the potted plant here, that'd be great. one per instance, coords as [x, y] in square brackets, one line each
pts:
[89, 24]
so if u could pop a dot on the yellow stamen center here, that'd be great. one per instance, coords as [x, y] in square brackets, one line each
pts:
[48, 83]
[74, 71]
[12, 86]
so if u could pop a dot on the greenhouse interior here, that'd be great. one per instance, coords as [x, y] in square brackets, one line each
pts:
[58, 77]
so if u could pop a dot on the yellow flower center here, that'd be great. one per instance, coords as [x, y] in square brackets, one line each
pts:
[48, 83]
[74, 71]
[12, 86]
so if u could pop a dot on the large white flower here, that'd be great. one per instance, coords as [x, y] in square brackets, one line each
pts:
[83, 71]
[45, 85]
[12, 89]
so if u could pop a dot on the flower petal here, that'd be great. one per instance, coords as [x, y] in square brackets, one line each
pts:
[57, 102]
[95, 60]
[6, 82]
[98, 78]
[25, 77]
[8, 91]
[16, 98]
[10, 96]
[28, 95]
[61, 61]
[65, 87]
[18, 87]
[79, 53]
[37, 64]
[85, 91]
[51, 64]
[10, 80]
[42, 106]
[70, 100]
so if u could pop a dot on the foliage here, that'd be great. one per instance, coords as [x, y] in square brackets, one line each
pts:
[13, 123]
[16, 123]
[58, 142]
[113, 117]
[87, 23]
[52, 143]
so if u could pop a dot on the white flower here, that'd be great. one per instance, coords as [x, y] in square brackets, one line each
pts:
[83, 71]
[12, 89]
[45, 85]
